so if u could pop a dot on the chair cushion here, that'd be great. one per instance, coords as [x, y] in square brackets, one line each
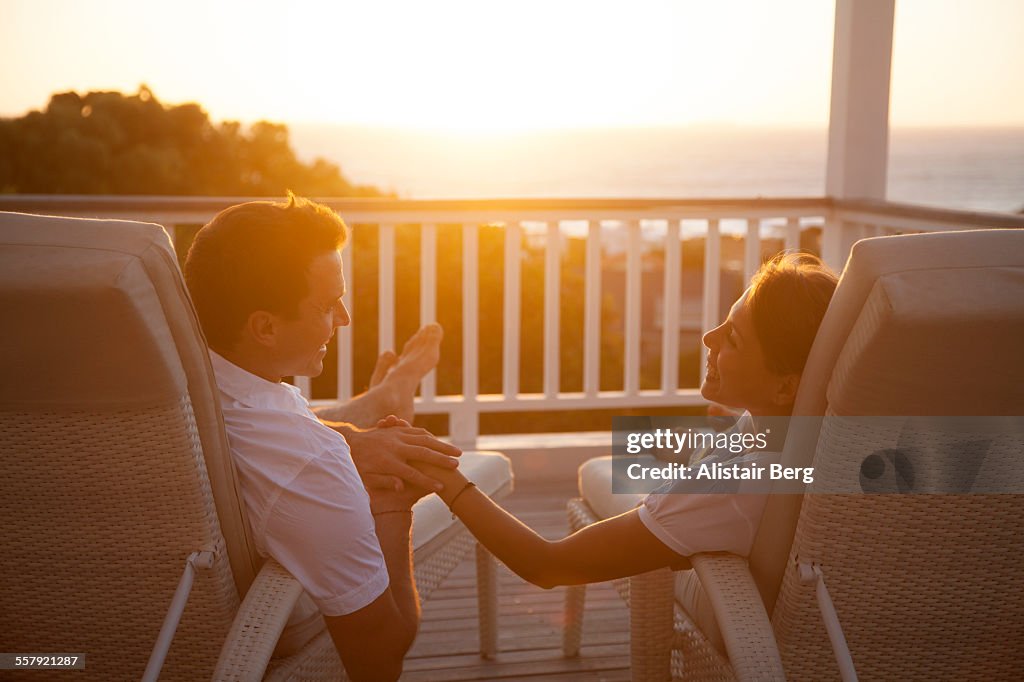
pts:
[690, 595]
[595, 484]
[489, 470]
[915, 321]
[595, 481]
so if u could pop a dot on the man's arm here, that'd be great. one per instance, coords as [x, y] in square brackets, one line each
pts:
[373, 641]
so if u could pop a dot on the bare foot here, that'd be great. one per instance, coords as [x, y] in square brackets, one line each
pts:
[420, 354]
[385, 362]
[393, 382]
[396, 387]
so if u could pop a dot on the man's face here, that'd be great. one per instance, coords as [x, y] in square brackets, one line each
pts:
[301, 343]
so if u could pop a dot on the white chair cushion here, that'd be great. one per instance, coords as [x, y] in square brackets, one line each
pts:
[489, 470]
[691, 596]
[595, 484]
[969, 321]
[595, 481]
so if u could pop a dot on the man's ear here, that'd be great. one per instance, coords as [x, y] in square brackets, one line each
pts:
[785, 393]
[261, 327]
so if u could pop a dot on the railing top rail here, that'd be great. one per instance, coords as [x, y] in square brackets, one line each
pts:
[930, 213]
[30, 202]
[564, 208]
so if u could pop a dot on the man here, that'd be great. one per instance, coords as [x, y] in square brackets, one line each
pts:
[327, 498]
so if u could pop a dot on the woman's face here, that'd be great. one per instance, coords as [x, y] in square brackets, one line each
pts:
[737, 375]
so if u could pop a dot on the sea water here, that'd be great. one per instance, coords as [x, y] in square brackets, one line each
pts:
[976, 169]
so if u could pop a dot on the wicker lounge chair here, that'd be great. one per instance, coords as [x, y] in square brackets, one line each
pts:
[119, 498]
[918, 586]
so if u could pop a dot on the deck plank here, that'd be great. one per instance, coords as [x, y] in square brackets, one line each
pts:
[529, 618]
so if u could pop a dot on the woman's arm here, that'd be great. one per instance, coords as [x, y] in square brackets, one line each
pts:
[614, 548]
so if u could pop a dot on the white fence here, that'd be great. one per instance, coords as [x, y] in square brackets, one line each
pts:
[627, 227]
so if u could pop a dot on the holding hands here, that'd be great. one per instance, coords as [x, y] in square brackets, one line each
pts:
[384, 456]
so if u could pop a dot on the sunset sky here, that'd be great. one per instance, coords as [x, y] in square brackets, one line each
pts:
[475, 65]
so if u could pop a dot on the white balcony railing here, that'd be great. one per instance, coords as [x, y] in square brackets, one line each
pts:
[628, 227]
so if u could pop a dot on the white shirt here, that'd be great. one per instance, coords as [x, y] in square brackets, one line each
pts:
[704, 515]
[306, 503]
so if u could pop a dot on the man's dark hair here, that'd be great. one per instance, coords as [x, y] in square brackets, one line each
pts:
[255, 256]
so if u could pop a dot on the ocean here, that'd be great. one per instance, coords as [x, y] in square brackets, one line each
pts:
[976, 169]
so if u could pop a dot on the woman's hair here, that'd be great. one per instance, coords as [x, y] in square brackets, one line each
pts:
[255, 256]
[788, 298]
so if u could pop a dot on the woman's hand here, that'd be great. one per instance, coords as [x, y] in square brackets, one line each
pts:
[383, 456]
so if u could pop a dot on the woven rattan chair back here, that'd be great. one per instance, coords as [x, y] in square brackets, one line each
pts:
[927, 586]
[108, 423]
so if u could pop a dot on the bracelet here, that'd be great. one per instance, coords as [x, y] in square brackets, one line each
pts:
[469, 484]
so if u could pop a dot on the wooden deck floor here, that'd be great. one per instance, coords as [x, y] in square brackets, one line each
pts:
[529, 618]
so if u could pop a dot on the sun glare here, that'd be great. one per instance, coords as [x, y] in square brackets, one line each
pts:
[486, 67]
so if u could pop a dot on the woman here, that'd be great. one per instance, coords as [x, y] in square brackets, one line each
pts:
[755, 360]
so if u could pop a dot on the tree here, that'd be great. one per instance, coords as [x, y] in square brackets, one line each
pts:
[111, 143]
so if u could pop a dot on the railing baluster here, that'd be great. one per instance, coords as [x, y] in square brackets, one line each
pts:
[712, 273]
[633, 301]
[470, 311]
[552, 283]
[428, 297]
[386, 288]
[344, 334]
[513, 274]
[837, 239]
[464, 418]
[592, 312]
[792, 244]
[670, 314]
[751, 249]
[304, 384]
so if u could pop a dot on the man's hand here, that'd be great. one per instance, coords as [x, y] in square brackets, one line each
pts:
[383, 455]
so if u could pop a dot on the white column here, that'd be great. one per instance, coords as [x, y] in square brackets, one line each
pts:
[858, 132]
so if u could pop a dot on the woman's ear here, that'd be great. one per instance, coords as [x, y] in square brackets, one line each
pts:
[785, 393]
[262, 327]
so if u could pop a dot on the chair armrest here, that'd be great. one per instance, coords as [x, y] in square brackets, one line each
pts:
[258, 624]
[739, 609]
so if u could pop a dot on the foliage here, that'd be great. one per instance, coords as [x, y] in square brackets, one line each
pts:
[111, 143]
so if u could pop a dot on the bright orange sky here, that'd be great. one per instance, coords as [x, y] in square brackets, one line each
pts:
[472, 65]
